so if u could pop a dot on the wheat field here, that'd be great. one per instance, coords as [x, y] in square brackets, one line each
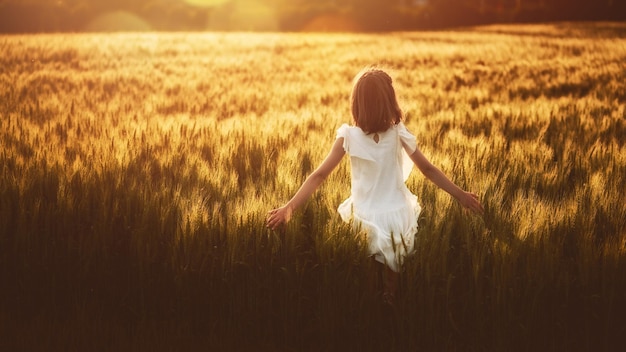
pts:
[136, 171]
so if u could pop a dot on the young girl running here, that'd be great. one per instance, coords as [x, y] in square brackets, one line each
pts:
[382, 152]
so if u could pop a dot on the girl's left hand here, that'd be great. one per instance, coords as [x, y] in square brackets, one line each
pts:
[470, 201]
[278, 216]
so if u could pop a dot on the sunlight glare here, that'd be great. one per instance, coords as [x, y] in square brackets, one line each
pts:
[206, 3]
[245, 15]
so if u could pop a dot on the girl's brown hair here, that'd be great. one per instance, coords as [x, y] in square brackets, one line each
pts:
[374, 104]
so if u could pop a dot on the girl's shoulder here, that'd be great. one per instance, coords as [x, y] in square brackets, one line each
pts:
[400, 126]
[355, 142]
[355, 132]
[345, 130]
[402, 129]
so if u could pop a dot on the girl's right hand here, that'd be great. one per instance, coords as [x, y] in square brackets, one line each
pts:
[279, 216]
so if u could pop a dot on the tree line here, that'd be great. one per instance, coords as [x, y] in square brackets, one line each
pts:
[33, 16]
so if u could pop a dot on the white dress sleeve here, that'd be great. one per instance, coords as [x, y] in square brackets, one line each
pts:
[409, 145]
[409, 142]
[354, 144]
[342, 132]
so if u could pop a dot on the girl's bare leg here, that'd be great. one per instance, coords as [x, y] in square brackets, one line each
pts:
[390, 285]
[374, 279]
[382, 274]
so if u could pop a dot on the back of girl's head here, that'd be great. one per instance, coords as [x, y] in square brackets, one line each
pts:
[374, 104]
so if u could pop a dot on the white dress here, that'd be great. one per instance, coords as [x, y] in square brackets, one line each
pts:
[380, 203]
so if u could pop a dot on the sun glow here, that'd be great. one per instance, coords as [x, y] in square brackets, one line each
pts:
[206, 3]
[246, 15]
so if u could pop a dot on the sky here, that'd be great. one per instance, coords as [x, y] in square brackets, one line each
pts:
[289, 15]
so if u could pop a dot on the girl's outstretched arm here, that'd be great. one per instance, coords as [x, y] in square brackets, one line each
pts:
[467, 199]
[283, 214]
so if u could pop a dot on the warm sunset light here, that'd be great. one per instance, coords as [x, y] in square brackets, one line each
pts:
[118, 21]
[208, 3]
[331, 23]
[290, 15]
[244, 15]
[312, 175]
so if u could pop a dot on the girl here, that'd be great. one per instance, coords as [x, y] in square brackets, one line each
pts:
[382, 152]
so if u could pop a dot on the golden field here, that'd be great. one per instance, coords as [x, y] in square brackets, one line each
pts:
[136, 171]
